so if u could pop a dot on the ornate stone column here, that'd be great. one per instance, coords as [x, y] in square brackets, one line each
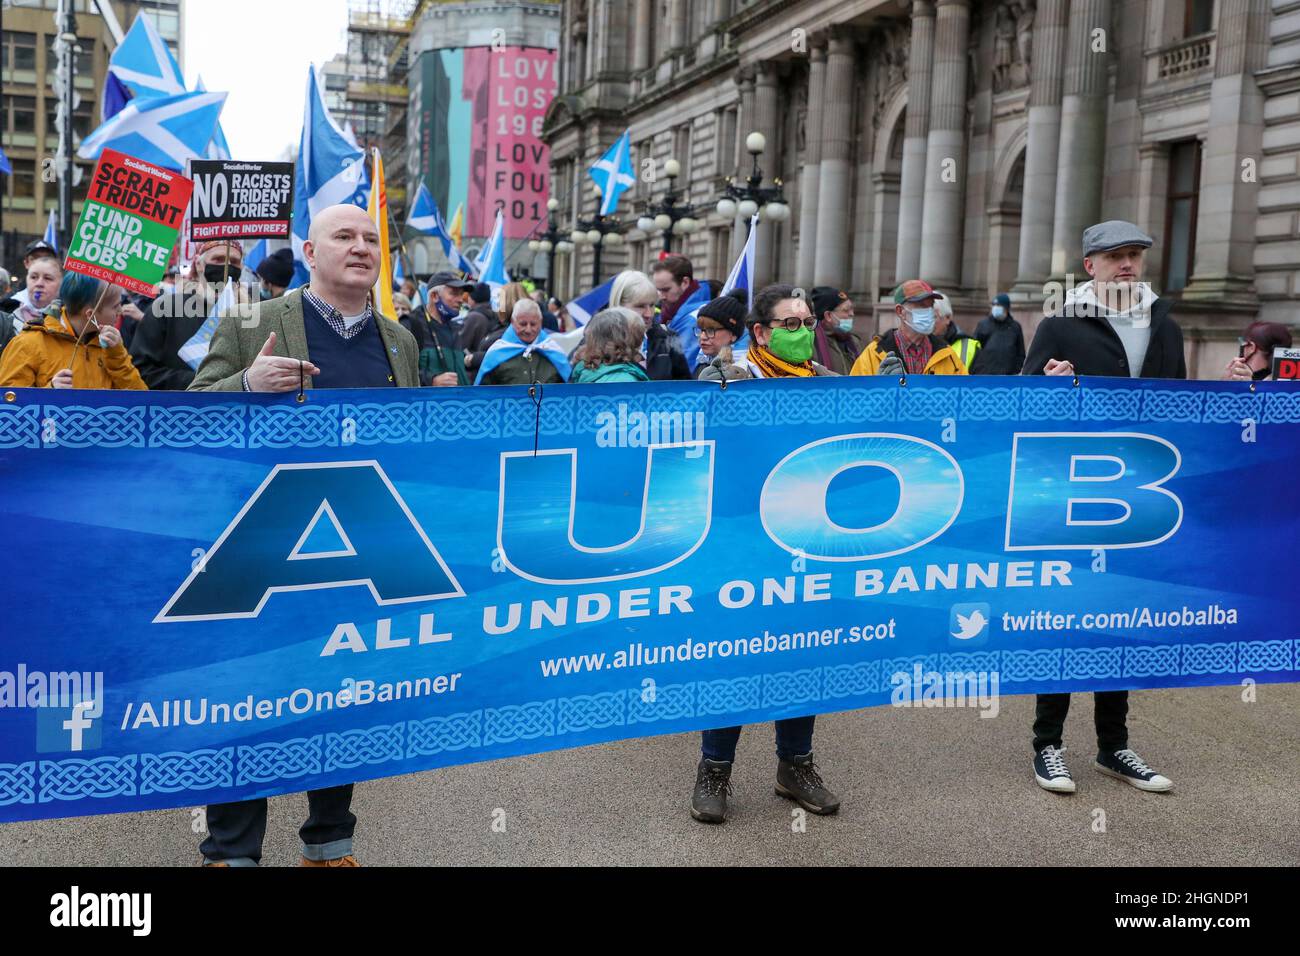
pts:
[677, 24]
[766, 85]
[810, 174]
[1038, 212]
[1224, 266]
[831, 262]
[641, 41]
[744, 126]
[911, 191]
[1082, 151]
[945, 160]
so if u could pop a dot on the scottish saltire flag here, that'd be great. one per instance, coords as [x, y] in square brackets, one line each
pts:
[589, 303]
[426, 218]
[253, 258]
[193, 352]
[218, 148]
[142, 67]
[399, 272]
[331, 171]
[509, 346]
[684, 323]
[167, 131]
[51, 237]
[5, 166]
[613, 173]
[744, 267]
[491, 262]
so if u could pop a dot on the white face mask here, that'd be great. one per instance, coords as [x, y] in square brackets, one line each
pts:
[998, 312]
[921, 320]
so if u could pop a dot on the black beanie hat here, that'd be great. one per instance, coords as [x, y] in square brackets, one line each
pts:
[825, 299]
[277, 268]
[481, 293]
[728, 311]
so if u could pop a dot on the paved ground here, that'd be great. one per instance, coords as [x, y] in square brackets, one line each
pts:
[919, 787]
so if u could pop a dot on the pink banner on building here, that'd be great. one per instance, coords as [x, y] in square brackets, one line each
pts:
[510, 89]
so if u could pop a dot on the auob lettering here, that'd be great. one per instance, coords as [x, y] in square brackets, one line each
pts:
[1067, 491]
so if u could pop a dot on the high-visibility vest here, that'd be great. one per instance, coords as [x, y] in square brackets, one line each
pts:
[966, 349]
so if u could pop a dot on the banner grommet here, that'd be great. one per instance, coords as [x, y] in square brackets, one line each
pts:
[11, 397]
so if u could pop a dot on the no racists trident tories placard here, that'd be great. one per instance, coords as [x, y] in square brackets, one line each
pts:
[129, 224]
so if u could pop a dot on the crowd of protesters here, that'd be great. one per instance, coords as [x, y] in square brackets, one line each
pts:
[71, 331]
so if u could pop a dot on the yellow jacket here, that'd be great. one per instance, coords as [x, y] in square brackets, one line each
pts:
[943, 360]
[39, 352]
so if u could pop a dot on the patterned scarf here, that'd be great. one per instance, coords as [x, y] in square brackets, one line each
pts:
[773, 367]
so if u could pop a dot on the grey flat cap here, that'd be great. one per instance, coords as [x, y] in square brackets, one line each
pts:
[1113, 234]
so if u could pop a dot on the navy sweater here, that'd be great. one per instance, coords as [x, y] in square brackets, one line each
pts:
[358, 362]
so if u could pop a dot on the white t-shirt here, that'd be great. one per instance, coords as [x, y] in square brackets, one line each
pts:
[351, 320]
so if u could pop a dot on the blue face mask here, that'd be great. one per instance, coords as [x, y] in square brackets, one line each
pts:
[998, 312]
[922, 320]
[845, 325]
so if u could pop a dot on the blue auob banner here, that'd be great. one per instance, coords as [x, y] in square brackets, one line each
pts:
[215, 597]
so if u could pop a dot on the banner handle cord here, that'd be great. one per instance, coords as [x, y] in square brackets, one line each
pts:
[535, 393]
[302, 383]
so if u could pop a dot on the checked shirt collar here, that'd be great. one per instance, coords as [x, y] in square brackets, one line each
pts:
[334, 318]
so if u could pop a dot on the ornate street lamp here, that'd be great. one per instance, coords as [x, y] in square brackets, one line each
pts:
[598, 231]
[551, 241]
[670, 213]
[751, 196]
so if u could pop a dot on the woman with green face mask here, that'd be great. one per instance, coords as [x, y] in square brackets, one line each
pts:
[781, 328]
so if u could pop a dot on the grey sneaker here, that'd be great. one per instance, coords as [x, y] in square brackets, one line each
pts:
[712, 787]
[798, 780]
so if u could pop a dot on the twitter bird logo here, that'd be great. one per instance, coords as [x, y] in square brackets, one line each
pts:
[969, 623]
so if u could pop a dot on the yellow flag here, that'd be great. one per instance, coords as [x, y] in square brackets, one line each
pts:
[457, 224]
[383, 291]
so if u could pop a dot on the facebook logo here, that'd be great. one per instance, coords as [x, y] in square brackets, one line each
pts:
[68, 729]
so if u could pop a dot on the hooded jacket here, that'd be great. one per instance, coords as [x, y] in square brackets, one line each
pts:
[1082, 334]
[42, 350]
[619, 372]
[943, 360]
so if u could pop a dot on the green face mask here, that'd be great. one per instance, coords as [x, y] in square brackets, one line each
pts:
[793, 347]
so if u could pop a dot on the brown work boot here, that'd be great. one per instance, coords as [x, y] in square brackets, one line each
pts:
[348, 860]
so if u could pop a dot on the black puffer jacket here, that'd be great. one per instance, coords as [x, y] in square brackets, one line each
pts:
[664, 358]
[1002, 346]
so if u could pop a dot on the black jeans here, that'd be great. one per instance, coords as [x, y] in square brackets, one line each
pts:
[236, 830]
[1109, 713]
[793, 739]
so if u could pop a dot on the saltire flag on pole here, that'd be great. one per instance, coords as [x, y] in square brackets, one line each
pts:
[166, 131]
[399, 272]
[193, 352]
[613, 173]
[142, 67]
[426, 218]
[491, 262]
[378, 209]
[588, 304]
[51, 237]
[218, 148]
[744, 267]
[253, 258]
[331, 171]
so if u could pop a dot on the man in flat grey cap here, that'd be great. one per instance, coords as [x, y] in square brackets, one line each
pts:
[1112, 325]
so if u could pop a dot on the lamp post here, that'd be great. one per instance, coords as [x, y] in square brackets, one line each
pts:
[669, 213]
[551, 241]
[751, 196]
[598, 231]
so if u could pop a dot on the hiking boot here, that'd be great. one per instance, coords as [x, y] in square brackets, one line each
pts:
[798, 780]
[712, 787]
[1050, 771]
[1127, 766]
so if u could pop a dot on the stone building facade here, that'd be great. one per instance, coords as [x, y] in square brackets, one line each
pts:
[968, 142]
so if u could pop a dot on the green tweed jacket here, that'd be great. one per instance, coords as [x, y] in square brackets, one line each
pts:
[238, 339]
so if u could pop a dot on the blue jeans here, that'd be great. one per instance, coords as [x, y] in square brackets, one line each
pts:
[793, 739]
[236, 830]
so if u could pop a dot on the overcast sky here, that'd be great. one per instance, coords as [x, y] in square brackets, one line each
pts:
[258, 52]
